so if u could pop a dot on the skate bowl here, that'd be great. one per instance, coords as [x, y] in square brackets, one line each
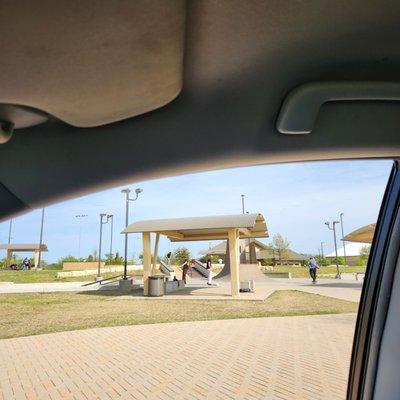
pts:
[247, 272]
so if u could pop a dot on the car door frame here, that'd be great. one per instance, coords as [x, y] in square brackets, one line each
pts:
[375, 297]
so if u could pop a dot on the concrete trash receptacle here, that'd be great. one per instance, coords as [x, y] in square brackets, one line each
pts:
[156, 285]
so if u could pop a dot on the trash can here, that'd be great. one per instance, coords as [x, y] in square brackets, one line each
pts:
[156, 285]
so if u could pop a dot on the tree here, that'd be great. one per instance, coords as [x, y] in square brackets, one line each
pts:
[90, 258]
[118, 260]
[109, 258]
[180, 255]
[364, 255]
[280, 245]
[214, 258]
[339, 260]
[141, 258]
[70, 258]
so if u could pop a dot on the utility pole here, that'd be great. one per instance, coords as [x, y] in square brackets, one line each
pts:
[344, 243]
[127, 200]
[322, 250]
[102, 222]
[334, 240]
[40, 240]
[111, 238]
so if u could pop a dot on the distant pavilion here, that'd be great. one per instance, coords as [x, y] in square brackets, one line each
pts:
[12, 248]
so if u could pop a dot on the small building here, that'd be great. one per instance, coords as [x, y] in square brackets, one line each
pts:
[12, 248]
[352, 252]
[289, 257]
[248, 250]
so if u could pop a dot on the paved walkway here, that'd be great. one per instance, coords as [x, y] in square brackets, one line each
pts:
[342, 289]
[262, 358]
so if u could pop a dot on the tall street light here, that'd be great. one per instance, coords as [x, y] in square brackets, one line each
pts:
[103, 220]
[334, 240]
[322, 249]
[127, 200]
[40, 240]
[242, 195]
[111, 234]
[9, 231]
[344, 243]
[80, 217]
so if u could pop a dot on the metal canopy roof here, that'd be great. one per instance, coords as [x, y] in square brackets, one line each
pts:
[203, 228]
[23, 247]
[361, 235]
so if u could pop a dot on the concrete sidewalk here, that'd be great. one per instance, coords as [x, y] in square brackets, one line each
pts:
[262, 358]
[197, 289]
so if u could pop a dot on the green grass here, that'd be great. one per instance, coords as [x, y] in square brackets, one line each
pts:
[302, 272]
[44, 276]
[31, 314]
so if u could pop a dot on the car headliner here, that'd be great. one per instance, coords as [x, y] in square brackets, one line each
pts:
[240, 60]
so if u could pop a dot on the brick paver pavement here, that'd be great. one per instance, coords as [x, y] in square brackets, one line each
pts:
[260, 358]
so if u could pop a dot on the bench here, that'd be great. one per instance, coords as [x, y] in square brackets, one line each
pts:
[173, 286]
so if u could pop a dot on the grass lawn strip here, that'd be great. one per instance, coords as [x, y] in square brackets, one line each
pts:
[329, 272]
[31, 314]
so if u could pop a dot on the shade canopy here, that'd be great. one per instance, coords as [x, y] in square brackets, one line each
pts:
[23, 247]
[203, 228]
[361, 235]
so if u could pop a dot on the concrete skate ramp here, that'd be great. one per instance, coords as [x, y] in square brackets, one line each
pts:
[247, 272]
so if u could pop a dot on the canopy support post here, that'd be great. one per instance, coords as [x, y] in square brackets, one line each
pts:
[9, 258]
[233, 239]
[36, 259]
[146, 261]
[155, 254]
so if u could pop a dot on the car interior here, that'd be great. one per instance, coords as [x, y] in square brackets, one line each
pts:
[96, 94]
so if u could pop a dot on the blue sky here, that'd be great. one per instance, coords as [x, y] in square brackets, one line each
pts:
[295, 199]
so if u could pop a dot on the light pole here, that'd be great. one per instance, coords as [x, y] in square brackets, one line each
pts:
[111, 236]
[102, 222]
[127, 200]
[40, 240]
[80, 217]
[322, 250]
[334, 240]
[242, 195]
[9, 231]
[344, 243]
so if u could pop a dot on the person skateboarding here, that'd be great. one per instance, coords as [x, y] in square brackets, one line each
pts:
[313, 266]
[185, 269]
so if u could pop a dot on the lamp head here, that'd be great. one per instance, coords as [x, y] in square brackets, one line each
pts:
[138, 190]
[125, 190]
[327, 223]
[336, 222]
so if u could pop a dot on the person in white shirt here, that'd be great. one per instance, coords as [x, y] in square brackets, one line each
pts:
[312, 264]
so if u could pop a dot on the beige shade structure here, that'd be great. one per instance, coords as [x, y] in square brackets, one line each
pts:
[12, 248]
[231, 227]
[361, 235]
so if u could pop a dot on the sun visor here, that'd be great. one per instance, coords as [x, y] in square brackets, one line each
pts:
[91, 63]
